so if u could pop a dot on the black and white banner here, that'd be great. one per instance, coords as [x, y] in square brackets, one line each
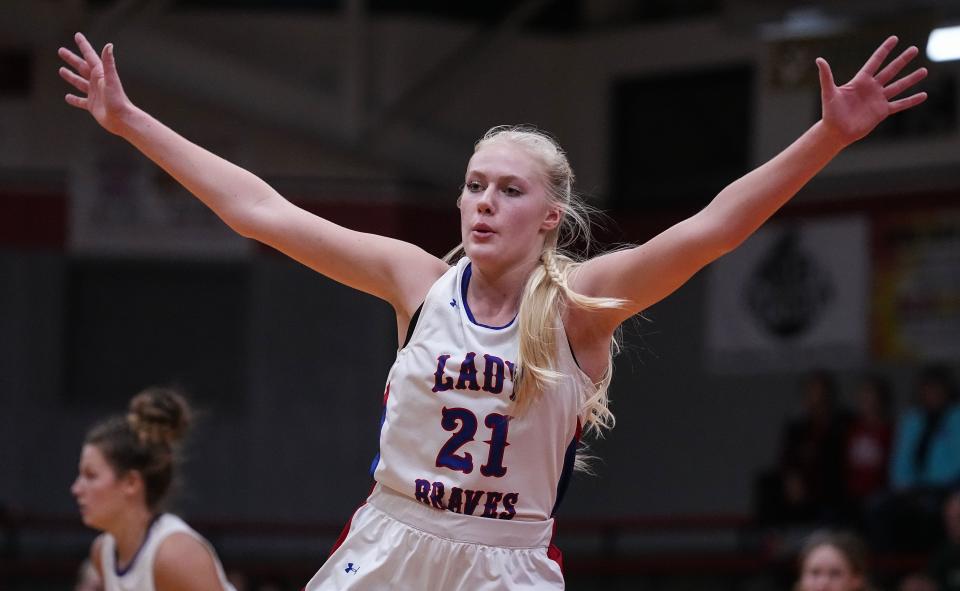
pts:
[795, 296]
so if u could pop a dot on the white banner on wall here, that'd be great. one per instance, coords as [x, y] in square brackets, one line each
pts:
[792, 297]
[121, 204]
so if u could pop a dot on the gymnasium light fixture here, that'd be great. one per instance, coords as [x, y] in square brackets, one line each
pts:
[944, 44]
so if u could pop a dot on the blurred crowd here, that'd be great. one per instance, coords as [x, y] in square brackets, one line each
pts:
[889, 476]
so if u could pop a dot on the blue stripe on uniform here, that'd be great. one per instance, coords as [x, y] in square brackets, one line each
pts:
[383, 419]
[464, 282]
[568, 461]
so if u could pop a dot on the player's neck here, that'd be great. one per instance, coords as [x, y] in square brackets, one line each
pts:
[130, 534]
[494, 295]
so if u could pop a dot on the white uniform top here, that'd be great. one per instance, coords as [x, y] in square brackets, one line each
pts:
[446, 439]
[138, 576]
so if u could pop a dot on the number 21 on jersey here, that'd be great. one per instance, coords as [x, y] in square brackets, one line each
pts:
[463, 424]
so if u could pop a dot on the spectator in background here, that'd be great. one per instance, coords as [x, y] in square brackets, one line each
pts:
[927, 449]
[945, 563]
[833, 561]
[868, 443]
[807, 486]
[924, 466]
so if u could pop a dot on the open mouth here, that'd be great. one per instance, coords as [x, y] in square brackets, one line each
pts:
[482, 231]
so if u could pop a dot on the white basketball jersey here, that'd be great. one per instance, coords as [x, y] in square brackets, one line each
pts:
[449, 437]
[138, 576]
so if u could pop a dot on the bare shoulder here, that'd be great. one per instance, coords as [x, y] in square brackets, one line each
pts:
[184, 563]
[424, 281]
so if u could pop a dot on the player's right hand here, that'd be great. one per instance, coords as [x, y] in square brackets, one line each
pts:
[96, 77]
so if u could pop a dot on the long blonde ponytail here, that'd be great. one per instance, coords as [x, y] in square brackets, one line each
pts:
[541, 308]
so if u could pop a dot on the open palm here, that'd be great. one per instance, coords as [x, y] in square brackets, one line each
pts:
[96, 77]
[854, 109]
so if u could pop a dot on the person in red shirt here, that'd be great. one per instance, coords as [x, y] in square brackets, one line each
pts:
[868, 443]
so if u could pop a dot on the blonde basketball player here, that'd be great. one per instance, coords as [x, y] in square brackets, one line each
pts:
[505, 353]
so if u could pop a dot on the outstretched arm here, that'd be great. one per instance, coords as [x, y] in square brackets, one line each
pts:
[647, 273]
[393, 270]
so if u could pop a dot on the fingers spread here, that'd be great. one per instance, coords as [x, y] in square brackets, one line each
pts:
[86, 50]
[906, 103]
[904, 83]
[76, 101]
[893, 68]
[876, 60]
[77, 82]
[74, 61]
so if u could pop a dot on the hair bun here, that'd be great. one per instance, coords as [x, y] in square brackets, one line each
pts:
[159, 416]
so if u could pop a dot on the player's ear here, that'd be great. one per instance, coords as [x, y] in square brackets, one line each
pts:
[552, 219]
[131, 482]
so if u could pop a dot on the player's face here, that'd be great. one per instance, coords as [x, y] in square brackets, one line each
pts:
[99, 493]
[826, 569]
[505, 213]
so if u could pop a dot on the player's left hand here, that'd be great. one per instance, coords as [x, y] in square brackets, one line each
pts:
[852, 111]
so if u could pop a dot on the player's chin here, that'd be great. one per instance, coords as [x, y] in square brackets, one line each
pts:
[473, 249]
[89, 519]
[482, 254]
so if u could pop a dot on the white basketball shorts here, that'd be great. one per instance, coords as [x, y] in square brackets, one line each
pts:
[396, 543]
